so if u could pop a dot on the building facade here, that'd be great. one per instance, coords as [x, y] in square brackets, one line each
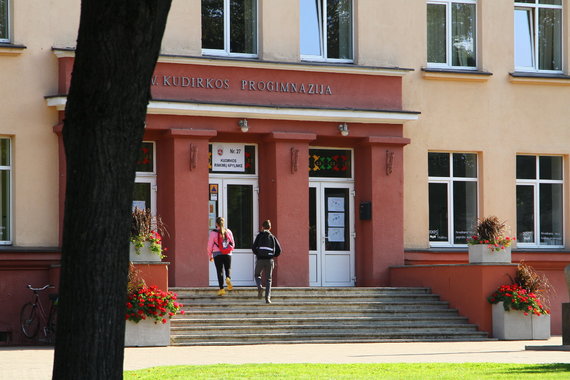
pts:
[373, 133]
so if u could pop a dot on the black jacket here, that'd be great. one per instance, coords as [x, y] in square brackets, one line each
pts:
[266, 245]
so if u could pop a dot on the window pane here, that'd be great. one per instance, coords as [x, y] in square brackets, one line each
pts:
[339, 29]
[438, 164]
[525, 214]
[551, 214]
[463, 28]
[312, 219]
[551, 2]
[4, 20]
[526, 167]
[330, 163]
[550, 167]
[311, 17]
[145, 162]
[464, 209]
[4, 152]
[5, 205]
[213, 24]
[438, 222]
[240, 214]
[550, 39]
[141, 196]
[436, 35]
[243, 26]
[465, 165]
[523, 38]
[337, 220]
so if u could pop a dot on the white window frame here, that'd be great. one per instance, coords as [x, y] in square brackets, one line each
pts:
[449, 37]
[535, 183]
[8, 20]
[534, 7]
[450, 210]
[9, 168]
[227, 37]
[323, 37]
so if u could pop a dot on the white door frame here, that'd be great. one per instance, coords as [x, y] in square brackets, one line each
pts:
[243, 260]
[339, 264]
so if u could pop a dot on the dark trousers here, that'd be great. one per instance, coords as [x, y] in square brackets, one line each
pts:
[222, 262]
[264, 266]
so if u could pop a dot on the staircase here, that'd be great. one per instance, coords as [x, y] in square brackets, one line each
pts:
[317, 315]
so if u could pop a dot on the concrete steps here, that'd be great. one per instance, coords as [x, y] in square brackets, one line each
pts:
[317, 315]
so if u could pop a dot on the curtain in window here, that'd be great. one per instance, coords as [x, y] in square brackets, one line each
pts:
[436, 33]
[463, 27]
[4, 20]
[550, 39]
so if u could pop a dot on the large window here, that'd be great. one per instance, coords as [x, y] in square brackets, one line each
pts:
[538, 35]
[4, 21]
[229, 27]
[451, 33]
[452, 197]
[5, 191]
[326, 30]
[539, 201]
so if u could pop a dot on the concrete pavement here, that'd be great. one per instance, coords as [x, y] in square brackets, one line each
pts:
[25, 363]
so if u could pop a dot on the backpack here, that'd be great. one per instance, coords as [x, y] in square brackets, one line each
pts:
[266, 246]
[225, 245]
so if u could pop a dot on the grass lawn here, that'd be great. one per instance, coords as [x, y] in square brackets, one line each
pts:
[423, 371]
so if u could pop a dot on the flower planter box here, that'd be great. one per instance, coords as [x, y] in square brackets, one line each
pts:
[146, 333]
[514, 325]
[145, 255]
[481, 254]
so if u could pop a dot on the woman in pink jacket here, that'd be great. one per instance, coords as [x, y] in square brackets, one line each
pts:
[220, 246]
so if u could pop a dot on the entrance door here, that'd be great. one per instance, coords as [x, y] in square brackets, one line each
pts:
[236, 200]
[331, 234]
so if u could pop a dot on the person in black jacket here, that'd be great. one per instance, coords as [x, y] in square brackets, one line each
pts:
[266, 247]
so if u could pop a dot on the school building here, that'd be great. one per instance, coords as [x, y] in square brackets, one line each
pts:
[373, 133]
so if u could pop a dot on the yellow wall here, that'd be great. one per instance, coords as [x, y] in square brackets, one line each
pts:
[494, 117]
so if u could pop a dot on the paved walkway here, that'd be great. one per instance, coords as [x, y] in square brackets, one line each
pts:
[23, 363]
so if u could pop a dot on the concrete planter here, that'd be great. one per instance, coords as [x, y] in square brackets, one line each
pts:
[146, 333]
[514, 325]
[481, 254]
[144, 255]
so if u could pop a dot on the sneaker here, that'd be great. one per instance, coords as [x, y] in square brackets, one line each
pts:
[221, 292]
[229, 283]
[259, 292]
[268, 300]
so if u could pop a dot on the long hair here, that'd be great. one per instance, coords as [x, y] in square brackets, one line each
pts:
[221, 223]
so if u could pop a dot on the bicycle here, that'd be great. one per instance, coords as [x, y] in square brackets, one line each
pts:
[33, 311]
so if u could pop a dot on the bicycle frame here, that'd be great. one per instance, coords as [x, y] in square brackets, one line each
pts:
[34, 314]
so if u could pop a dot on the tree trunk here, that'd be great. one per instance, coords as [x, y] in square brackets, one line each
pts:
[117, 49]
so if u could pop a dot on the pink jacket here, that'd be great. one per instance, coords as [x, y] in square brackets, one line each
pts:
[213, 249]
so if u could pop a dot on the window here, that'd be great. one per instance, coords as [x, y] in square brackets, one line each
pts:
[452, 197]
[326, 30]
[229, 27]
[538, 35]
[4, 21]
[145, 182]
[5, 191]
[539, 201]
[330, 163]
[451, 34]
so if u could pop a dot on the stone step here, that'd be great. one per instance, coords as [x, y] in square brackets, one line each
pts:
[317, 315]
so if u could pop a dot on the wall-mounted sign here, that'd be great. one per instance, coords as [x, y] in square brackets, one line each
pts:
[228, 157]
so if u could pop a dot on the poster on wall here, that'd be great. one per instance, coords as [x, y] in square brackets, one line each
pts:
[336, 219]
[212, 212]
[336, 235]
[335, 204]
[228, 158]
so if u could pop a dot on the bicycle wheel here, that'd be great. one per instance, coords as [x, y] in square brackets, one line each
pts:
[51, 325]
[29, 320]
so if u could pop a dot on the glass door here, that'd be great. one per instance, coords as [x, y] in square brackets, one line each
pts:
[236, 200]
[331, 234]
